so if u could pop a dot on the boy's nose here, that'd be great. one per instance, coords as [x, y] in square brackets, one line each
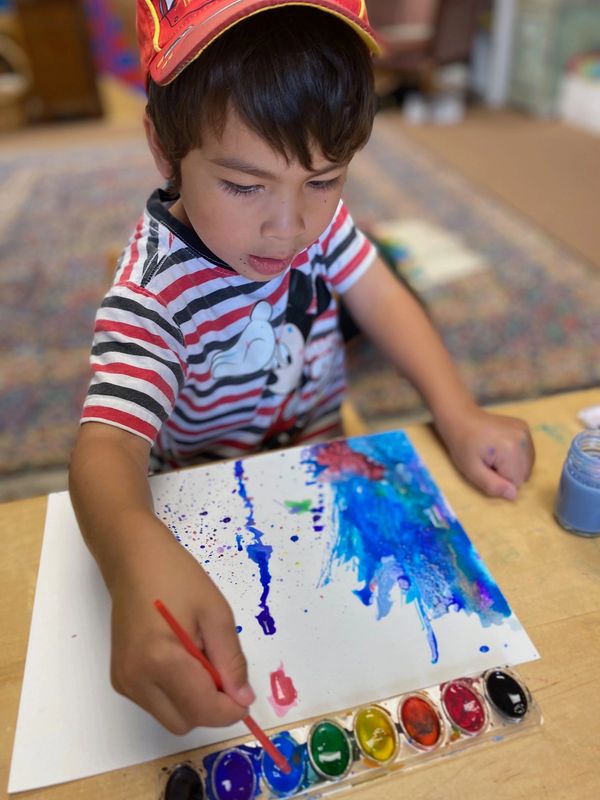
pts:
[285, 221]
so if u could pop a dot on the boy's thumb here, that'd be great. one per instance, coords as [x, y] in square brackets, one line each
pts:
[224, 651]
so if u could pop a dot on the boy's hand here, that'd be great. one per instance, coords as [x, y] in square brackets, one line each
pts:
[149, 664]
[494, 452]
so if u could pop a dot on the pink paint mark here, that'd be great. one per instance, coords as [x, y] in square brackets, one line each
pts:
[284, 694]
[339, 458]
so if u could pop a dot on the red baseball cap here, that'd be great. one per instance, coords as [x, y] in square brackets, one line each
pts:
[172, 33]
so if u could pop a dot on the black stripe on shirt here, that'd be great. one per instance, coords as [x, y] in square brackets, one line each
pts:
[152, 261]
[130, 395]
[129, 349]
[140, 310]
[213, 437]
[248, 410]
[224, 383]
[330, 258]
[212, 299]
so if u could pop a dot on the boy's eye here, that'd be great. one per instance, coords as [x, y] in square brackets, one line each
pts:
[325, 185]
[237, 189]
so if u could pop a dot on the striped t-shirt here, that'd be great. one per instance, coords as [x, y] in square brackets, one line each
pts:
[205, 363]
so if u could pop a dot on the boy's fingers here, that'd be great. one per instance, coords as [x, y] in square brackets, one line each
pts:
[194, 696]
[515, 466]
[491, 482]
[158, 703]
[222, 647]
[513, 459]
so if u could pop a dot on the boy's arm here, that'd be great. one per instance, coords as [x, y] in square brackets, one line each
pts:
[140, 561]
[494, 452]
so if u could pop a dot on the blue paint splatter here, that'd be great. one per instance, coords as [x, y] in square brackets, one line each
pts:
[258, 552]
[484, 649]
[393, 526]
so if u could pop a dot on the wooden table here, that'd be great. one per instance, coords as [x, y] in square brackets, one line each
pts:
[551, 579]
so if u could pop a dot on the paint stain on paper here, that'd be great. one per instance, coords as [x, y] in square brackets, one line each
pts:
[298, 507]
[283, 692]
[393, 527]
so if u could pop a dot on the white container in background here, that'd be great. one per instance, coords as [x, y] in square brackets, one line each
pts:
[579, 102]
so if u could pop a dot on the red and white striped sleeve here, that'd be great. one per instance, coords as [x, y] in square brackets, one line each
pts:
[138, 362]
[347, 253]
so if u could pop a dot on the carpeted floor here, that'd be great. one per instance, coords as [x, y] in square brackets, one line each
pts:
[68, 209]
[521, 326]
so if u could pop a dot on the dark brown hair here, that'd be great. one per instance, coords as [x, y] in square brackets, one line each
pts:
[297, 76]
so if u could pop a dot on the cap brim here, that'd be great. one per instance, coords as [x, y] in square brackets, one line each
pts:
[199, 34]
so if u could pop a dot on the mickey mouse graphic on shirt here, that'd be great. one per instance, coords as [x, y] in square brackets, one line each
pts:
[259, 348]
[295, 366]
[253, 351]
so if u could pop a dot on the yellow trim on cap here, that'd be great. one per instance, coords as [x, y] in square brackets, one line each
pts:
[367, 38]
[154, 15]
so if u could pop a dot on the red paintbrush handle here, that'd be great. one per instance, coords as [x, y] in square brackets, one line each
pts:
[188, 643]
[195, 651]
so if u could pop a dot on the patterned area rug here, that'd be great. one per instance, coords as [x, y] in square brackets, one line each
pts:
[521, 327]
[64, 212]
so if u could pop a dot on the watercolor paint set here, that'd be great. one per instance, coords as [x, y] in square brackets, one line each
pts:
[350, 578]
[340, 751]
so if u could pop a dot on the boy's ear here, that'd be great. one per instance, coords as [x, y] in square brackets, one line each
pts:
[161, 161]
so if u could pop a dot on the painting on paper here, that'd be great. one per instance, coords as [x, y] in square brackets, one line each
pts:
[350, 580]
[350, 577]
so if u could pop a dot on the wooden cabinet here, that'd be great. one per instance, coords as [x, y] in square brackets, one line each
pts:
[57, 42]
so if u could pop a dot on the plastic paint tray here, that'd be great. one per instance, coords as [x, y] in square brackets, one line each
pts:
[341, 750]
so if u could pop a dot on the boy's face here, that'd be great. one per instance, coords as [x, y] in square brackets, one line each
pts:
[249, 206]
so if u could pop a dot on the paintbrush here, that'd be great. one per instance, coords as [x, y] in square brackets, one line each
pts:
[195, 651]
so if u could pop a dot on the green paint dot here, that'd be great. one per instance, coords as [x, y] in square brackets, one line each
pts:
[329, 749]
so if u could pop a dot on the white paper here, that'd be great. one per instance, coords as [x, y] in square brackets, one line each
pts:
[338, 651]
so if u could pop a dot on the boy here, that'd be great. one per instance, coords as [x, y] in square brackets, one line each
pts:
[220, 335]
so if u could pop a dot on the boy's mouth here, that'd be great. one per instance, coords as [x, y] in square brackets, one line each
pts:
[268, 266]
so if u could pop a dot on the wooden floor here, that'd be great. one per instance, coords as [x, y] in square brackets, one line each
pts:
[546, 170]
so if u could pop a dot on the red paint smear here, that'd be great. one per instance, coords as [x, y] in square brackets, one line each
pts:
[282, 687]
[339, 458]
[464, 707]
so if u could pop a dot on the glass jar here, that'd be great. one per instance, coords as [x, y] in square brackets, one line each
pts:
[577, 506]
